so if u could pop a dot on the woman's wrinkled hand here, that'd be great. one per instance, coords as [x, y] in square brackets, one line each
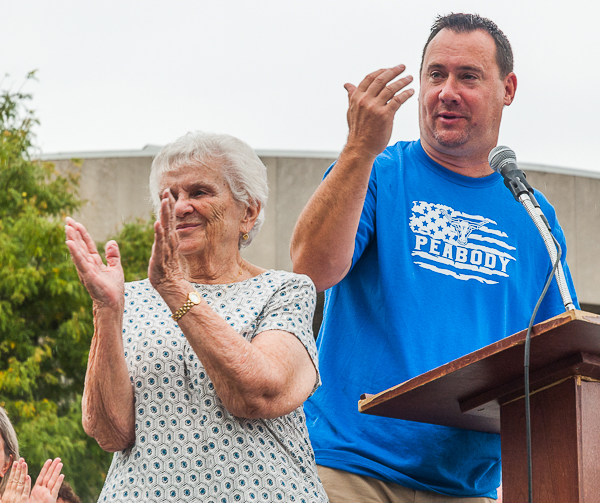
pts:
[165, 267]
[105, 283]
[48, 483]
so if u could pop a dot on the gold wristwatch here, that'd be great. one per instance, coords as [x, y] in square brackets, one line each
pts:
[193, 299]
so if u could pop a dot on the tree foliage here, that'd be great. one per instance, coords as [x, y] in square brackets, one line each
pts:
[45, 313]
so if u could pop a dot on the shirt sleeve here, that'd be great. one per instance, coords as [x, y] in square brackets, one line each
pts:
[291, 309]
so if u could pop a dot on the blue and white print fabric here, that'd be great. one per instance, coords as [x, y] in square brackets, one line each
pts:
[188, 446]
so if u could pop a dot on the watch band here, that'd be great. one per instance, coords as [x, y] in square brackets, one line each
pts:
[193, 299]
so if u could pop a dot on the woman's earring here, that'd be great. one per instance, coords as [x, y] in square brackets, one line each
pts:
[245, 236]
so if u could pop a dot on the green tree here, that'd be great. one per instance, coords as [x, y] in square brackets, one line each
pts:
[45, 313]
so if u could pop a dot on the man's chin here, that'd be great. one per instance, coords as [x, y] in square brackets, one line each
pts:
[451, 140]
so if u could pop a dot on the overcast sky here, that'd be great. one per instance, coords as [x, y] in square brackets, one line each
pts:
[118, 75]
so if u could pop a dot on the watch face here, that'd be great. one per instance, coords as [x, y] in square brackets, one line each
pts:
[194, 297]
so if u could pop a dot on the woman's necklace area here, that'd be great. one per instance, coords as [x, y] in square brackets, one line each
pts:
[204, 280]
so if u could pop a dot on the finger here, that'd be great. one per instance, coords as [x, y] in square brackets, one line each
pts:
[87, 239]
[112, 254]
[27, 489]
[79, 229]
[169, 232]
[157, 257]
[383, 79]
[12, 478]
[50, 471]
[159, 237]
[389, 91]
[40, 479]
[351, 88]
[56, 487]
[165, 210]
[172, 215]
[367, 81]
[22, 477]
[80, 249]
[54, 473]
[397, 101]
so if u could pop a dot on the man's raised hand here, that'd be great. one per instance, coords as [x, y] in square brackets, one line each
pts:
[372, 107]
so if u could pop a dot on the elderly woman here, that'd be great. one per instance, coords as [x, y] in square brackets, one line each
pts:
[197, 375]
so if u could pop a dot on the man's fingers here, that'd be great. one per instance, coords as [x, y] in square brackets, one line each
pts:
[368, 80]
[351, 88]
[390, 90]
[397, 101]
[383, 79]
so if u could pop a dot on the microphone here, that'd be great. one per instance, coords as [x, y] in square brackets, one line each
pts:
[504, 161]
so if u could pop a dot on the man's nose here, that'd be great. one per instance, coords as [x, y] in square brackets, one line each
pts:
[449, 92]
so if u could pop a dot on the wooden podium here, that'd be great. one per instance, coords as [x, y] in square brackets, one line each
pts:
[484, 391]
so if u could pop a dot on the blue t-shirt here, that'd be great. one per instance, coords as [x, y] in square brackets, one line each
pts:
[443, 265]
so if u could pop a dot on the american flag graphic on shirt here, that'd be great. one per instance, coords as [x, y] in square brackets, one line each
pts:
[456, 244]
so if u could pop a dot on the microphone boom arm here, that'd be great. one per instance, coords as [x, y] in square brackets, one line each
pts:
[541, 223]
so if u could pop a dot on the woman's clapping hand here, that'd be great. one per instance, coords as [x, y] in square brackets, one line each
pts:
[105, 283]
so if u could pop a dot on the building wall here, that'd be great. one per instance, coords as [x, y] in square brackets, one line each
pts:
[116, 190]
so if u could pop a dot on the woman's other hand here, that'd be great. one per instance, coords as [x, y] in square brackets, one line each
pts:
[19, 484]
[105, 283]
[164, 270]
[48, 483]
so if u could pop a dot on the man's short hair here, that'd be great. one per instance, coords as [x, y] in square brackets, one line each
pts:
[466, 23]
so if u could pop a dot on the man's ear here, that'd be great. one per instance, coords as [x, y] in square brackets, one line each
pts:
[510, 88]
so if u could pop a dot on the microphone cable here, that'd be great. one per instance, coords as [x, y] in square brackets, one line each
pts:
[526, 370]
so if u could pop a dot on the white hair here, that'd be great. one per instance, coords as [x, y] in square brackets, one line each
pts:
[244, 172]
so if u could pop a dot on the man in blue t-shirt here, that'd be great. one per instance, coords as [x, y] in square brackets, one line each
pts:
[425, 256]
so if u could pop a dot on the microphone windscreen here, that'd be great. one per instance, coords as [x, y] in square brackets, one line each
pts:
[500, 156]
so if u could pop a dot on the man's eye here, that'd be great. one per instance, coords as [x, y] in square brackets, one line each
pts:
[469, 76]
[436, 75]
